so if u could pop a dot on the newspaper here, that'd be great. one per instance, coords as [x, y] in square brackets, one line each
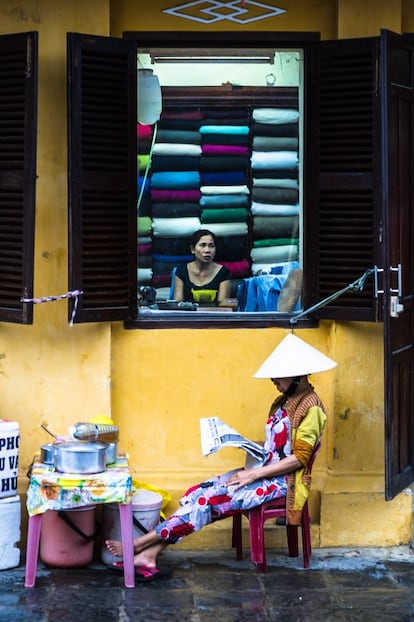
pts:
[216, 434]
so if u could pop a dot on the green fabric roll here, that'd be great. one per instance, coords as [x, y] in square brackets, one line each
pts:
[143, 161]
[224, 215]
[144, 225]
[274, 242]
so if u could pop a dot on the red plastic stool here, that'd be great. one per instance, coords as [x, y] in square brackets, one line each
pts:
[273, 509]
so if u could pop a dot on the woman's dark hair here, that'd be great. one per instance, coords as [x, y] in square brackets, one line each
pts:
[199, 234]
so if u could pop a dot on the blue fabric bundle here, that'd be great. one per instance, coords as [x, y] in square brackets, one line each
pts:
[224, 200]
[228, 178]
[175, 180]
[242, 130]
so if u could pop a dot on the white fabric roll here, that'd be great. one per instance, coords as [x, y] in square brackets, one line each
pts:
[176, 227]
[228, 228]
[268, 209]
[176, 149]
[224, 189]
[144, 276]
[266, 254]
[275, 183]
[274, 160]
[275, 116]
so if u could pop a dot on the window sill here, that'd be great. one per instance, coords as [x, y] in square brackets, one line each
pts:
[150, 318]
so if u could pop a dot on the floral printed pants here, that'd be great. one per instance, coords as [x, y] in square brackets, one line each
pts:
[212, 501]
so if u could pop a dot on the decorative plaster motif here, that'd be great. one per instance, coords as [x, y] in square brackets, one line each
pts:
[238, 11]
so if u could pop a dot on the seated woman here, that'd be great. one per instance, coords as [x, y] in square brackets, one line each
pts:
[293, 425]
[202, 280]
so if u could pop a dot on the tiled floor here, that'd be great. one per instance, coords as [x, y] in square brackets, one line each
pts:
[371, 585]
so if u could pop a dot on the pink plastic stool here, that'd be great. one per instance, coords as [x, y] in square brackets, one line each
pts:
[33, 539]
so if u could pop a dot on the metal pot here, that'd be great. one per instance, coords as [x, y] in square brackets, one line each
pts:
[47, 453]
[111, 453]
[80, 457]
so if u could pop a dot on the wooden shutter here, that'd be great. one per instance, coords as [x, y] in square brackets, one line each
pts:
[397, 93]
[18, 116]
[102, 177]
[342, 176]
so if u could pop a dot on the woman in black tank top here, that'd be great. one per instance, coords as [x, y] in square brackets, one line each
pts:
[202, 280]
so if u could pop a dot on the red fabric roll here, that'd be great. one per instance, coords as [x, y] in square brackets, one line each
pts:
[185, 114]
[144, 132]
[144, 249]
[161, 280]
[238, 269]
[224, 149]
[175, 195]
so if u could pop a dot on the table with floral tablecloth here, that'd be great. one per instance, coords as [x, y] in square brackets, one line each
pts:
[52, 490]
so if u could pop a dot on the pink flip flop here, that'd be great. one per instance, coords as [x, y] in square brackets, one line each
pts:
[143, 574]
[148, 573]
[117, 566]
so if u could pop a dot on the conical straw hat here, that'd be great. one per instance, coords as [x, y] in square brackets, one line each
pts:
[293, 357]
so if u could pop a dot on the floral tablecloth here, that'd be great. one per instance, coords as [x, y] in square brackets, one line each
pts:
[51, 490]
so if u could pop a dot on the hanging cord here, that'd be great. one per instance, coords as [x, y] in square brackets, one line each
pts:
[147, 168]
[355, 285]
[73, 294]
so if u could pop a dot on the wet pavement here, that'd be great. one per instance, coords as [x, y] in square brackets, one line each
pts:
[361, 585]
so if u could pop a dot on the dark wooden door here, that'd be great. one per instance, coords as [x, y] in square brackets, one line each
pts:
[396, 278]
[361, 102]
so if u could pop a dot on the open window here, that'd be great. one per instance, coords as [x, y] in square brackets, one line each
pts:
[336, 174]
[18, 125]
[225, 156]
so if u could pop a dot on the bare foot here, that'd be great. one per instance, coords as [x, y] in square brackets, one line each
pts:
[114, 547]
[140, 544]
[144, 560]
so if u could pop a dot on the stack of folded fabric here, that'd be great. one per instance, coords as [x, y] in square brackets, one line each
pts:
[174, 192]
[275, 187]
[233, 170]
[225, 194]
[144, 222]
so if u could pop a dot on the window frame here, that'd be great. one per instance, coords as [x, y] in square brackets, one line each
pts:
[217, 319]
[313, 259]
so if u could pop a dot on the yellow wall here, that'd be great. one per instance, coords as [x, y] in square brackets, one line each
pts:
[365, 19]
[176, 377]
[157, 383]
[303, 15]
[50, 371]
[208, 372]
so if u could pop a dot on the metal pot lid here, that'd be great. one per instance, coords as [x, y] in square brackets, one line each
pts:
[81, 446]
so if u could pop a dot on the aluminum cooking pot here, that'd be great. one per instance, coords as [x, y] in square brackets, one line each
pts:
[111, 453]
[47, 453]
[80, 457]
